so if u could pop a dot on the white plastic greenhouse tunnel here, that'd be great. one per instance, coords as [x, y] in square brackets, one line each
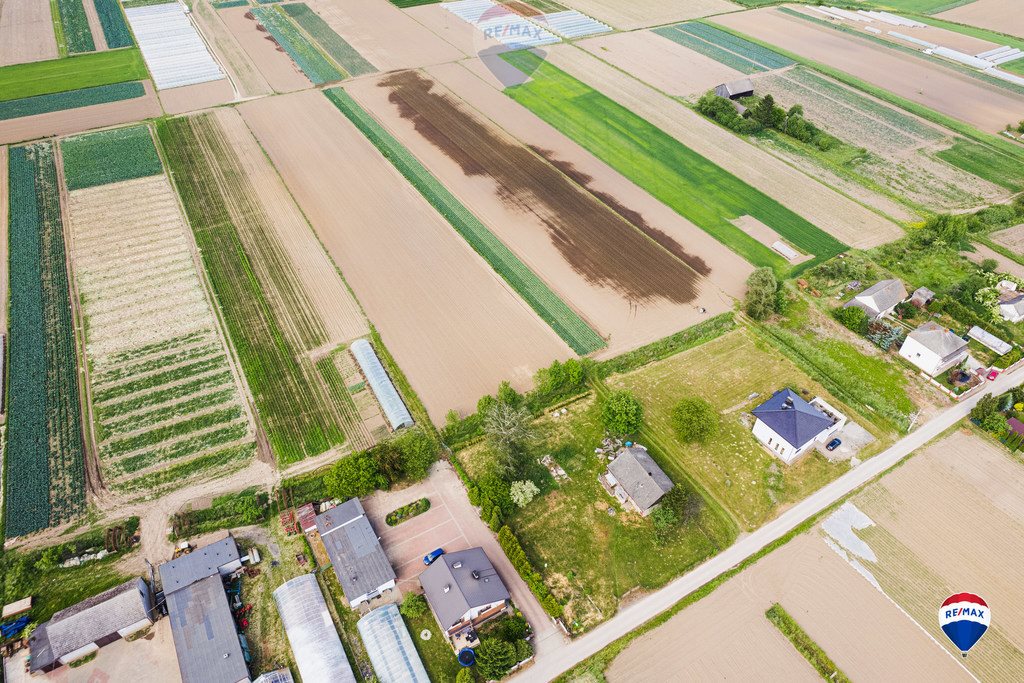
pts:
[318, 651]
[390, 647]
[383, 388]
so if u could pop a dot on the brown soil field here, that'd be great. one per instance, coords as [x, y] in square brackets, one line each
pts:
[463, 35]
[1011, 238]
[846, 220]
[26, 32]
[271, 60]
[573, 241]
[94, 25]
[82, 119]
[919, 79]
[246, 78]
[981, 252]
[3, 241]
[667, 66]
[726, 635]
[1004, 16]
[452, 325]
[477, 87]
[385, 35]
[195, 97]
[642, 13]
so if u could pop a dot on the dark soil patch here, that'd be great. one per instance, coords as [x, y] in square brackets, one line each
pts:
[521, 8]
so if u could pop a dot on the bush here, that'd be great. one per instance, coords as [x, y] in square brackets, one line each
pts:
[354, 476]
[695, 420]
[413, 605]
[951, 229]
[1010, 357]
[417, 453]
[989, 265]
[465, 675]
[517, 556]
[522, 492]
[417, 507]
[665, 521]
[762, 294]
[512, 628]
[622, 413]
[494, 658]
[995, 424]
[852, 318]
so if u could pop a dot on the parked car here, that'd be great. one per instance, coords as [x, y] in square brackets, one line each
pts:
[992, 375]
[833, 444]
[429, 558]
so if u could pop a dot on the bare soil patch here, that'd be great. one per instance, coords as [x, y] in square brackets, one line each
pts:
[641, 13]
[270, 59]
[1011, 238]
[467, 38]
[26, 32]
[243, 73]
[94, 25]
[452, 325]
[1004, 16]
[196, 97]
[981, 252]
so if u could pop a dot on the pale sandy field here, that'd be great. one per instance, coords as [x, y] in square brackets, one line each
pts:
[271, 60]
[642, 13]
[656, 60]
[452, 325]
[846, 220]
[1011, 238]
[461, 34]
[919, 79]
[981, 252]
[1005, 16]
[195, 97]
[26, 32]
[246, 78]
[83, 118]
[385, 35]
[94, 25]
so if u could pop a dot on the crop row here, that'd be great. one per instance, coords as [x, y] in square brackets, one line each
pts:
[109, 156]
[305, 54]
[170, 431]
[115, 373]
[555, 312]
[334, 45]
[167, 477]
[192, 404]
[163, 396]
[720, 55]
[18, 81]
[72, 99]
[752, 51]
[115, 28]
[175, 450]
[75, 26]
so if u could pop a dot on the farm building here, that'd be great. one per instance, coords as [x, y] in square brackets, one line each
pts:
[922, 297]
[636, 480]
[989, 340]
[307, 518]
[318, 651]
[206, 640]
[362, 568]
[464, 591]
[381, 385]
[390, 647]
[82, 629]
[934, 348]
[879, 299]
[789, 426]
[742, 87]
[1011, 305]
[278, 676]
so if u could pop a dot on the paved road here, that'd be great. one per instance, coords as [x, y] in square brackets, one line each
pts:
[554, 658]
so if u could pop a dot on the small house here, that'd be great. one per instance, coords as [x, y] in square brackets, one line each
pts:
[636, 480]
[734, 90]
[879, 299]
[934, 348]
[789, 426]
[464, 591]
[359, 562]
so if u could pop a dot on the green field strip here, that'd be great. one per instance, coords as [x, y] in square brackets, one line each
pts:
[58, 33]
[306, 55]
[155, 481]
[109, 156]
[986, 163]
[918, 6]
[73, 99]
[192, 405]
[805, 645]
[745, 48]
[219, 436]
[580, 337]
[406, 4]
[161, 396]
[720, 55]
[336, 47]
[697, 189]
[72, 73]
[75, 25]
[227, 4]
[154, 437]
[114, 24]
[143, 3]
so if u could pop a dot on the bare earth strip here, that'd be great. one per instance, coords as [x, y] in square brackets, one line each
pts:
[843, 218]
[981, 252]
[642, 13]
[243, 73]
[273, 62]
[82, 119]
[918, 79]
[195, 97]
[997, 15]
[385, 35]
[463, 35]
[452, 325]
[94, 25]
[26, 32]
[1011, 238]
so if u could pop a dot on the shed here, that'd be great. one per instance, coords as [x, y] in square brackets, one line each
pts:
[742, 87]
[359, 562]
[17, 607]
[390, 647]
[922, 296]
[989, 340]
[381, 385]
[307, 518]
[318, 652]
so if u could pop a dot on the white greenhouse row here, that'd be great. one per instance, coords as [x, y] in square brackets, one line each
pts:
[172, 47]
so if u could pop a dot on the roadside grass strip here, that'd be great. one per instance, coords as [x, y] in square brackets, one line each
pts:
[109, 157]
[306, 55]
[73, 73]
[44, 482]
[804, 644]
[336, 47]
[580, 337]
[745, 48]
[72, 99]
[75, 26]
[115, 28]
[173, 49]
[406, 4]
[499, 23]
[720, 55]
[693, 186]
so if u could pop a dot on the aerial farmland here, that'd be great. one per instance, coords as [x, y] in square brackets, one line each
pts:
[644, 301]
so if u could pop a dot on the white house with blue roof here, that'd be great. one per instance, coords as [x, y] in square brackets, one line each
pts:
[789, 426]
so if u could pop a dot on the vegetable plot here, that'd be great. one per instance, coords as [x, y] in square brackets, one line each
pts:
[75, 26]
[312, 62]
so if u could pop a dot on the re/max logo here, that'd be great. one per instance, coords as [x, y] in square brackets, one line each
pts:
[965, 612]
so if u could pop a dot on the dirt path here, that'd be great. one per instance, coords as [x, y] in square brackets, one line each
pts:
[94, 25]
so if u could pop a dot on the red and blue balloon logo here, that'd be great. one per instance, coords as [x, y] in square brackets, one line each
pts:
[964, 618]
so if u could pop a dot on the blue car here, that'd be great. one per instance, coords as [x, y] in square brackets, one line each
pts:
[429, 558]
[833, 444]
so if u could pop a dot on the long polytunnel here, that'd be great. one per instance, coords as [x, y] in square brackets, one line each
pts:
[318, 651]
[388, 397]
[390, 647]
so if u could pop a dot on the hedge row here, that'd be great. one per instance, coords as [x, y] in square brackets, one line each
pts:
[516, 554]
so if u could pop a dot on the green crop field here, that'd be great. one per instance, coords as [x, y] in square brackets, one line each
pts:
[44, 472]
[72, 99]
[720, 55]
[985, 162]
[562, 319]
[72, 73]
[919, 6]
[745, 48]
[75, 26]
[405, 4]
[115, 27]
[334, 45]
[308, 57]
[694, 187]
[109, 157]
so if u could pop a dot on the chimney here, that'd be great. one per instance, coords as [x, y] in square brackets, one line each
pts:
[457, 565]
[476, 575]
[447, 587]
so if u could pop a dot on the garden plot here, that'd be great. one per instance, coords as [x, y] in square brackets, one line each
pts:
[1011, 238]
[500, 23]
[241, 70]
[174, 51]
[272, 63]
[75, 31]
[26, 32]
[306, 56]
[998, 15]
[452, 325]
[642, 13]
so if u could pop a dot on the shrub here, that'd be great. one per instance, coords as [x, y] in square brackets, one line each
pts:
[1011, 357]
[695, 420]
[989, 265]
[465, 675]
[622, 413]
[995, 423]
[413, 605]
[354, 476]
[417, 453]
[762, 294]
[522, 492]
[512, 628]
[665, 521]
[494, 657]
[517, 556]
[852, 318]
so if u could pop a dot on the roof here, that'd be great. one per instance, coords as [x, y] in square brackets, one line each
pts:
[470, 579]
[90, 620]
[741, 86]
[792, 418]
[1013, 301]
[198, 564]
[879, 297]
[359, 562]
[312, 635]
[923, 294]
[388, 397]
[990, 340]
[205, 637]
[640, 477]
[17, 607]
[307, 517]
[937, 339]
[278, 676]
[1015, 425]
[390, 647]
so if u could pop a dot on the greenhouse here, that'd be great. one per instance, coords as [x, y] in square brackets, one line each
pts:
[318, 652]
[392, 404]
[390, 647]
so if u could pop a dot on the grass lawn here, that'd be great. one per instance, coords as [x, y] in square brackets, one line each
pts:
[938, 269]
[71, 73]
[438, 657]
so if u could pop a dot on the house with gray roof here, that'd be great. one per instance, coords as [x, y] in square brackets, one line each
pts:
[934, 348]
[1011, 305]
[879, 299]
[359, 562]
[741, 87]
[635, 480]
[82, 629]
[789, 426]
[464, 591]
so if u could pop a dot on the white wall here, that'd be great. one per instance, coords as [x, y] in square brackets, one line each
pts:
[926, 359]
[779, 447]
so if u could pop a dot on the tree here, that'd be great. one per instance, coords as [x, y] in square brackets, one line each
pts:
[852, 318]
[995, 424]
[523, 492]
[354, 476]
[989, 265]
[465, 675]
[508, 395]
[984, 408]
[512, 628]
[248, 508]
[417, 451]
[622, 413]
[50, 558]
[413, 605]
[494, 657]
[509, 429]
[388, 461]
[762, 297]
[695, 420]
[951, 229]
